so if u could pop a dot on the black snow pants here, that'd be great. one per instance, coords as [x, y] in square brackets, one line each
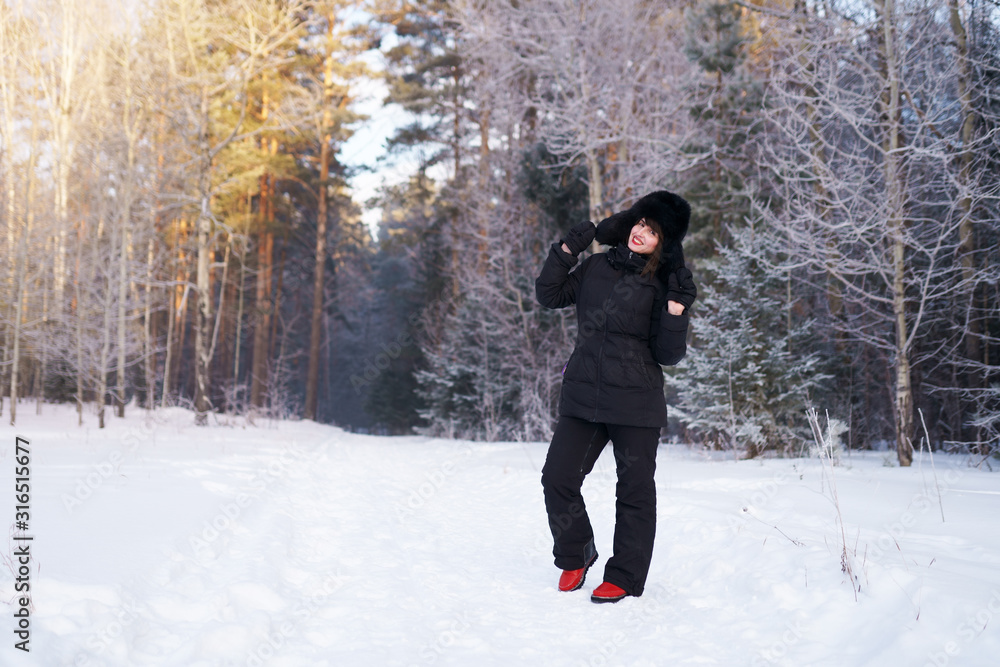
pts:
[574, 449]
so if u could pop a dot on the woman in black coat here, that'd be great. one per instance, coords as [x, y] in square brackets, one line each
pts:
[631, 305]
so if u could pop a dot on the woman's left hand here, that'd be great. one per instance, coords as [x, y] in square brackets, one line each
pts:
[681, 289]
[675, 308]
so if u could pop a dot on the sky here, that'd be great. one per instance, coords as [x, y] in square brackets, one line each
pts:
[366, 149]
[368, 144]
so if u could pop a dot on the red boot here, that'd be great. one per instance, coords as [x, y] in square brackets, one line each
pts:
[607, 593]
[570, 580]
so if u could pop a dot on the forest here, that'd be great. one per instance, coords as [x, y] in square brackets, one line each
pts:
[179, 227]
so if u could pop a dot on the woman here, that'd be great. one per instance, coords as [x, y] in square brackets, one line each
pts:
[631, 306]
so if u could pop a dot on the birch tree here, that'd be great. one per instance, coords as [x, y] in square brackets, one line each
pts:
[25, 72]
[65, 102]
[15, 33]
[133, 120]
[860, 158]
[217, 51]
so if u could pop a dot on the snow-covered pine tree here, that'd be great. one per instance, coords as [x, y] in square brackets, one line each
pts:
[749, 373]
[491, 354]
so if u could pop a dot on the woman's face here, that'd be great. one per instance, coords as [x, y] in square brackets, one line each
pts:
[642, 239]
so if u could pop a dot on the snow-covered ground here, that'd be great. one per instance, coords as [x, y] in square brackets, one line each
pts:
[290, 543]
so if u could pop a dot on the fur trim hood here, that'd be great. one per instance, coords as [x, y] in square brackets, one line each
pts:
[669, 210]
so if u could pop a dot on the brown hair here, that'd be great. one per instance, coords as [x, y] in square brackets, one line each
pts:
[653, 262]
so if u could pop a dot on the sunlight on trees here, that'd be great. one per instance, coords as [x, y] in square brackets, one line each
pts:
[178, 229]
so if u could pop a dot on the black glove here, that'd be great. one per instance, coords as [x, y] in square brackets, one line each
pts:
[579, 237]
[615, 228]
[681, 288]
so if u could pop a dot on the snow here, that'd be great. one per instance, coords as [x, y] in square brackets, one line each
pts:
[292, 543]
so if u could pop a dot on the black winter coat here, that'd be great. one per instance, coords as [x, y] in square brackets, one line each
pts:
[624, 334]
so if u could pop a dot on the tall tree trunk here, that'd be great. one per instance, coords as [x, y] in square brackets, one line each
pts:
[149, 330]
[319, 266]
[223, 358]
[16, 352]
[896, 224]
[222, 301]
[64, 101]
[203, 321]
[122, 315]
[102, 362]
[20, 269]
[483, 260]
[262, 319]
[276, 303]
[456, 130]
[79, 315]
[595, 189]
[43, 346]
[8, 44]
[239, 307]
[148, 353]
[239, 324]
[102, 366]
[265, 258]
[176, 298]
[966, 231]
[131, 118]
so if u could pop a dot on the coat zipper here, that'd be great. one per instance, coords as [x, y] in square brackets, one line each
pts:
[604, 339]
[600, 364]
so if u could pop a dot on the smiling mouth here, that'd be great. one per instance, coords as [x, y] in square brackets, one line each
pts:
[637, 241]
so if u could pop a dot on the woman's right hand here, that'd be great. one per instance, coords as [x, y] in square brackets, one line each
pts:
[578, 238]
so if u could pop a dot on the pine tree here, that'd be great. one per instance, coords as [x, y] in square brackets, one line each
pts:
[726, 100]
[752, 369]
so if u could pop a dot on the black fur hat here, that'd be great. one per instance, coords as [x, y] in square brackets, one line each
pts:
[669, 210]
